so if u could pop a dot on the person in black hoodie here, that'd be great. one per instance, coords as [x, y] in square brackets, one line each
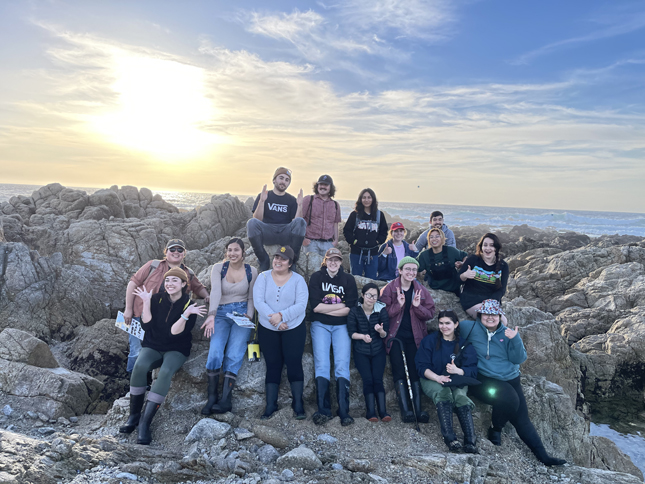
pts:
[332, 293]
[367, 325]
[365, 230]
[167, 319]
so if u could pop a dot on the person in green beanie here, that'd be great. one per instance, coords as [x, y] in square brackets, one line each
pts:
[409, 305]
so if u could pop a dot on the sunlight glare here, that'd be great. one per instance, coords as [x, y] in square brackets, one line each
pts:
[162, 103]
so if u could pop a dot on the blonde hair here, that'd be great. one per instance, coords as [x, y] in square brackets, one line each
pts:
[390, 237]
[441, 234]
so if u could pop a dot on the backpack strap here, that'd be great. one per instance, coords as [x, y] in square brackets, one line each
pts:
[247, 268]
[225, 268]
[311, 203]
[153, 267]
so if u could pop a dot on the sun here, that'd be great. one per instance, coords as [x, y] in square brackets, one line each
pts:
[159, 107]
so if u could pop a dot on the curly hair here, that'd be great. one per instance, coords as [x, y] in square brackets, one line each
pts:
[498, 256]
[360, 210]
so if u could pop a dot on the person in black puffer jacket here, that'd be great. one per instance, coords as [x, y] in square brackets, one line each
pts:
[367, 325]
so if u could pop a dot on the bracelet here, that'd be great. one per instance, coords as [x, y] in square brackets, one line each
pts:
[183, 317]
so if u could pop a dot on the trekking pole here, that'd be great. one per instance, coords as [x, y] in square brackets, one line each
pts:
[407, 378]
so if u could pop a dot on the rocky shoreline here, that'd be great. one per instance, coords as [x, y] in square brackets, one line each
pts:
[66, 257]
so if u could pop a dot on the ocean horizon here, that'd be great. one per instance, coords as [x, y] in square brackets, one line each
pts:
[592, 223]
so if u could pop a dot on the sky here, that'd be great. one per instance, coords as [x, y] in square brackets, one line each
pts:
[495, 103]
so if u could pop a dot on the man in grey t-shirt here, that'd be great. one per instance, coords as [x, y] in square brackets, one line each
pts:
[436, 221]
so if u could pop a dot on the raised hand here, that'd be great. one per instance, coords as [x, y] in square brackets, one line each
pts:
[511, 333]
[469, 273]
[208, 326]
[195, 309]
[300, 197]
[142, 293]
[442, 379]
[417, 298]
[264, 194]
[400, 297]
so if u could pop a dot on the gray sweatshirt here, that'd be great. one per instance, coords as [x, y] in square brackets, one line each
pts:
[290, 299]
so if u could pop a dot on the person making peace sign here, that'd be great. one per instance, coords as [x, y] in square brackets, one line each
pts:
[409, 305]
[167, 318]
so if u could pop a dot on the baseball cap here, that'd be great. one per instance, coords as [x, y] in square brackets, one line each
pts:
[333, 252]
[396, 226]
[285, 252]
[175, 243]
[325, 179]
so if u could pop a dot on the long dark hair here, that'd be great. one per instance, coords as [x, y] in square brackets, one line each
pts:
[498, 257]
[360, 210]
[238, 241]
[450, 314]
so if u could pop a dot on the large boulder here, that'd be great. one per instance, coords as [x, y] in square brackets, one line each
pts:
[21, 347]
[100, 349]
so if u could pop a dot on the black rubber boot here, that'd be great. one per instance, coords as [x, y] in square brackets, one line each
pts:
[422, 416]
[542, 455]
[495, 436]
[465, 417]
[213, 393]
[271, 390]
[322, 398]
[225, 404]
[144, 437]
[370, 413]
[444, 412]
[136, 404]
[406, 413]
[342, 395]
[296, 403]
[380, 403]
[260, 253]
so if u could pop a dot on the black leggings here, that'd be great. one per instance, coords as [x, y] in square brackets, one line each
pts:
[280, 347]
[509, 405]
[396, 360]
[371, 369]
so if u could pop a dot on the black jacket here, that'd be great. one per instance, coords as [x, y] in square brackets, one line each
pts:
[164, 314]
[357, 322]
[367, 234]
[327, 290]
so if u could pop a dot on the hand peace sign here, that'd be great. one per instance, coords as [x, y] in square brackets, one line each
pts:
[400, 297]
[417, 298]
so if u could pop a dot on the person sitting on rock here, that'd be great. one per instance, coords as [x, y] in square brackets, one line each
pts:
[277, 219]
[393, 251]
[409, 305]
[322, 214]
[436, 221]
[484, 274]
[364, 231]
[500, 351]
[367, 325]
[332, 293]
[440, 264]
[447, 364]
[168, 318]
[280, 297]
[232, 284]
[151, 274]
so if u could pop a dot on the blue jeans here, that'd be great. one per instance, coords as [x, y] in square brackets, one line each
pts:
[135, 348]
[324, 336]
[365, 263]
[228, 335]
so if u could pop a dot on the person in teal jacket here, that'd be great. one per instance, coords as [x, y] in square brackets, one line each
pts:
[500, 351]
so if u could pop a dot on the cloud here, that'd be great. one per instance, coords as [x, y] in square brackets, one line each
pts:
[521, 138]
[617, 25]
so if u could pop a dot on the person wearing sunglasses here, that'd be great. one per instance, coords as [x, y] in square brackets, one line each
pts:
[151, 275]
[409, 305]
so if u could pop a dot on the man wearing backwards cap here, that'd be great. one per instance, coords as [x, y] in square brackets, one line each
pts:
[322, 215]
[277, 219]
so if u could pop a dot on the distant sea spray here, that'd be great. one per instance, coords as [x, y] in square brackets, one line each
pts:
[585, 222]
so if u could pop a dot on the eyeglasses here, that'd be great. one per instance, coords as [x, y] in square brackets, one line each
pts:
[176, 249]
[370, 296]
[410, 269]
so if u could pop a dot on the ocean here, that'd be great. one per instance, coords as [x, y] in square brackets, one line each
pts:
[590, 223]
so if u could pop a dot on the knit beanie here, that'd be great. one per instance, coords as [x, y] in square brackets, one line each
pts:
[408, 260]
[282, 171]
[177, 272]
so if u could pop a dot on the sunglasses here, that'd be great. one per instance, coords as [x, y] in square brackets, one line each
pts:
[176, 249]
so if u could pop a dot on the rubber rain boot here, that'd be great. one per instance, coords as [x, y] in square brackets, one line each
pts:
[342, 394]
[323, 414]
[380, 404]
[296, 403]
[271, 391]
[136, 404]
[144, 436]
[422, 416]
[370, 413]
[212, 393]
[225, 404]
[406, 413]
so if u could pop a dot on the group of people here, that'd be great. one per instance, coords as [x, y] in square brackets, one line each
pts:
[480, 357]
